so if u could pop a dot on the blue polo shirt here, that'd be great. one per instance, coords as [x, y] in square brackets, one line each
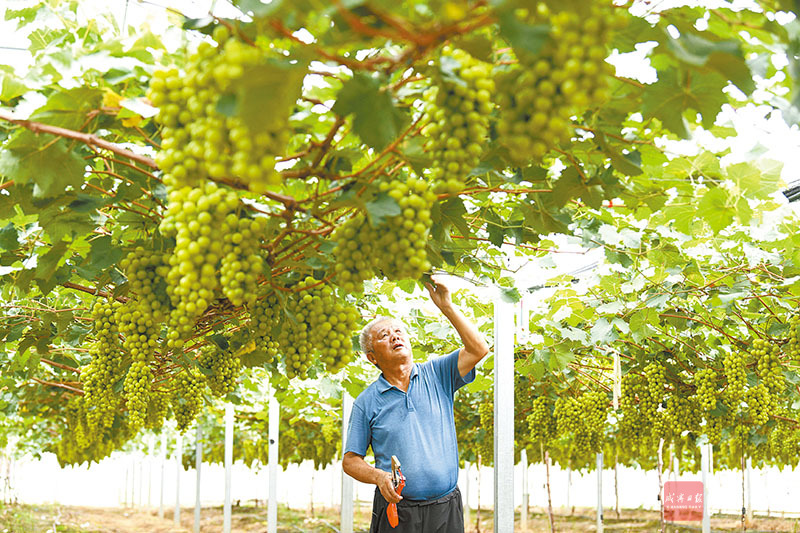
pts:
[417, 426]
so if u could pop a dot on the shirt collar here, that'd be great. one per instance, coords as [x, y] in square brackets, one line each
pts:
[384, 385]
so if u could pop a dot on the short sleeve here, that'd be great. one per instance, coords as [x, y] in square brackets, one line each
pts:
[359, 434]
[446, 369]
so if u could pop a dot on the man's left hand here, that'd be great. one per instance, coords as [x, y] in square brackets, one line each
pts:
[440, 293]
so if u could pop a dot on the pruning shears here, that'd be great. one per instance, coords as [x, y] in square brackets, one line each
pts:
[399, 481]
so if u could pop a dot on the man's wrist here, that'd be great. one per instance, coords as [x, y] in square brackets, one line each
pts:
[447, 308]
[377, 475]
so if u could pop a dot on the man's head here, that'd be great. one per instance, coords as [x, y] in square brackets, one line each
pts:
[385, 342]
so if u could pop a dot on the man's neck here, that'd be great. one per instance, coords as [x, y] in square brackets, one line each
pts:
[400, 375]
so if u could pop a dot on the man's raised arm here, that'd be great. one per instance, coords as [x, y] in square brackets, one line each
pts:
[475, 347]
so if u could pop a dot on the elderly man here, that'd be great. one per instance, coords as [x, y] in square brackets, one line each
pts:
[408, 412]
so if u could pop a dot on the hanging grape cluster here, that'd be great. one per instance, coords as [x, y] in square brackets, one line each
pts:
[101, 373]
[569, 75]
[317, 323]
[457, 112]
[705, 380]
[395, 248]
[541, 422]
[221, 369]
[157, 409]
[139, 321]
[769, 366]
[214, 249]
[736, 375]
[793, 344]
[584, 417]
[241, 263]
[198, 141]
[486, 444]
[187, 398]
[265, 316]
[655, 378]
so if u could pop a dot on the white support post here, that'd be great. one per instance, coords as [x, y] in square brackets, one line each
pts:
[163, 465]
[226, 513]
[198, 462]
[178, 468]
[749, 490]
[504, 314]
[523, 519]
[704, 465]
[569, 486]
[467, 518]
[600, 493]
[141, 483]
[150, 456]
[133, 483]
[125, 489]
[272, 502]
[346, 508]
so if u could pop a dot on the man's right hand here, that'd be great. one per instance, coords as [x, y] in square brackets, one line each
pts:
[387, 487]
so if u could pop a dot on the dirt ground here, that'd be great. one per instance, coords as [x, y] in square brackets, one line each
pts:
[60, 519]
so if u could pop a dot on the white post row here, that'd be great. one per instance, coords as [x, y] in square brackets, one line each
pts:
[523, 519]
[704, 465]
[226, 514]
[178, 468]
[272, 501]
[163, 465]
[346, 508]
[198, 461]
[599, 492]
[504, 328]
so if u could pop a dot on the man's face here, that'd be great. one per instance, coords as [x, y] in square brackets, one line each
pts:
[390, 344]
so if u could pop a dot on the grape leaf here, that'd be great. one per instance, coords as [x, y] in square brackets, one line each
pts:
[47, 163]
[375, 117]
[676, 92]
[383, 207]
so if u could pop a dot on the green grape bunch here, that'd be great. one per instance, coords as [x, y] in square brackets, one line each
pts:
[541, 422]
[537, 98]
[265, 319]
[793, 344]
[760, 403]
[705, 380]
[203, 220]
[769, 366]
[735, 373]
[187, 398]
[102, 372]
[395, 248]
[318, 323]
[457, 112]
[486, 416]
[655, 378]
[200, 142]
[221, 369]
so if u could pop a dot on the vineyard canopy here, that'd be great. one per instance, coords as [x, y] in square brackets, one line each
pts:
[186, 213]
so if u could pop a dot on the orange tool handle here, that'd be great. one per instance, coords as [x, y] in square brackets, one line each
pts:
[391, 511]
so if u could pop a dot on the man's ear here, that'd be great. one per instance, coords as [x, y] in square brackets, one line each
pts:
[371, 358]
